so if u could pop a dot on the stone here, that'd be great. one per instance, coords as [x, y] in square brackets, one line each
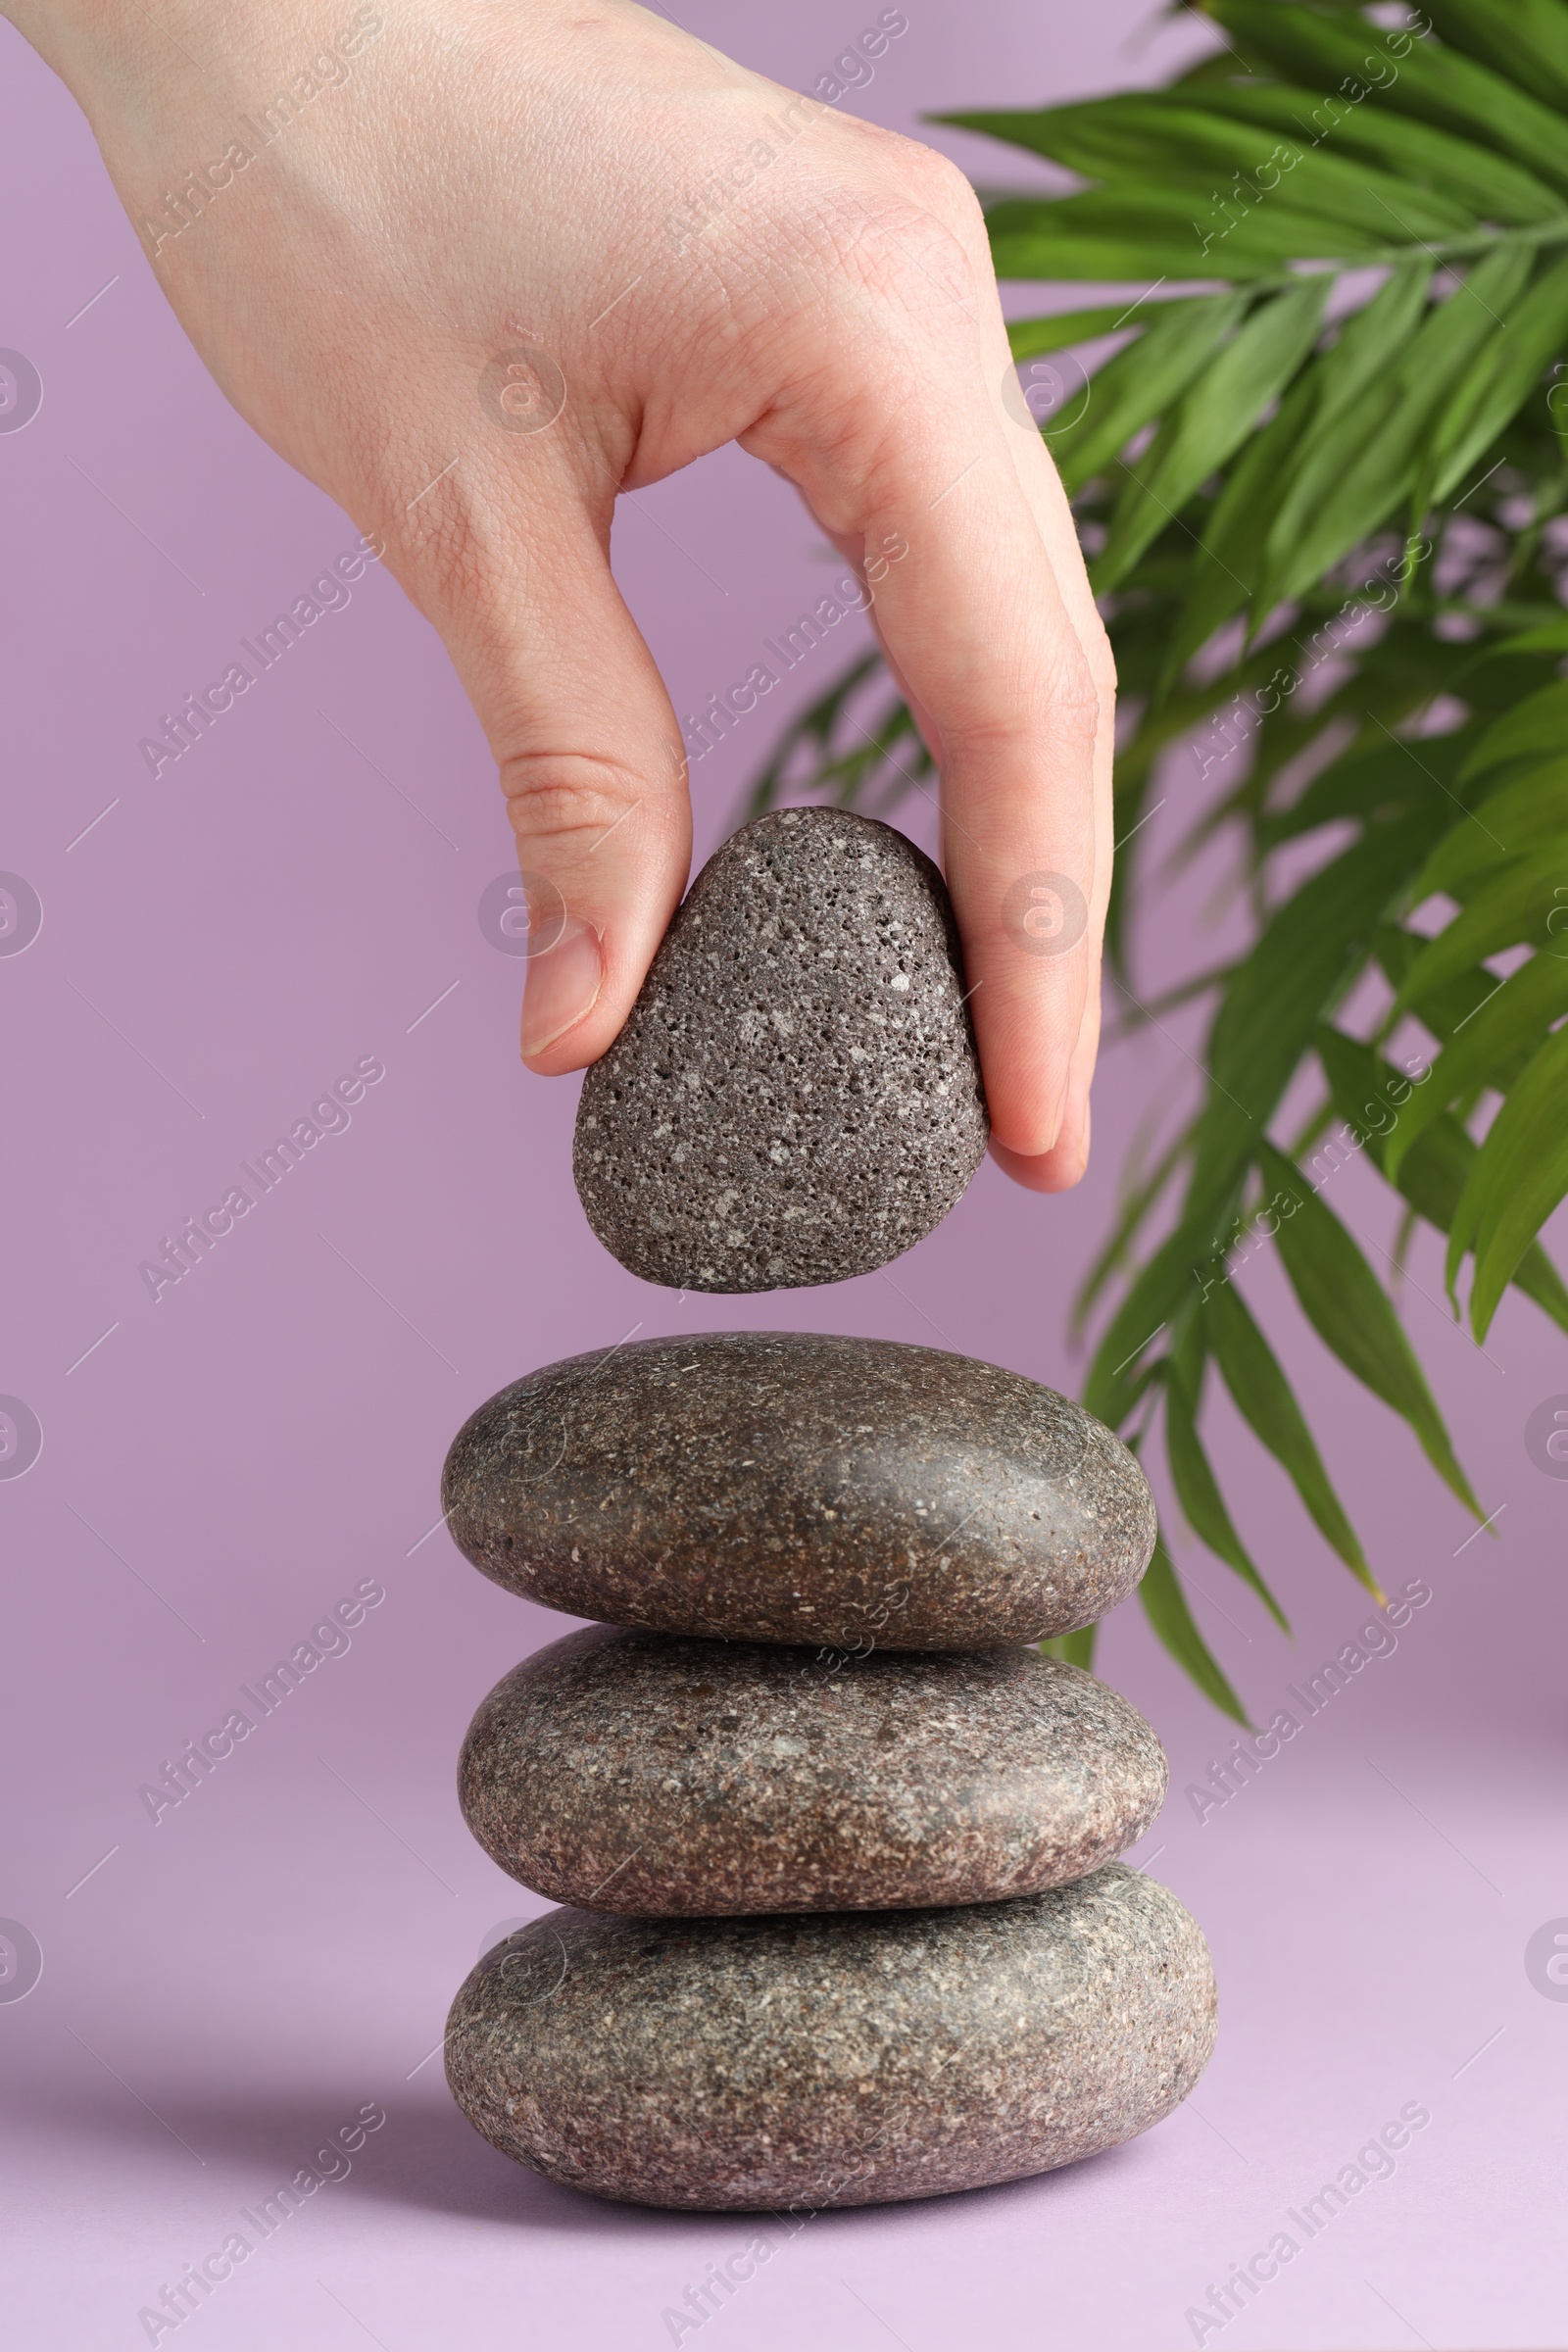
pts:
[643, 1773]
[796, 1096]
[847, 2058]
[799, 1486]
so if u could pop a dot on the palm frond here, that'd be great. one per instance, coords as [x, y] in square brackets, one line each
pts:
[1322, 465]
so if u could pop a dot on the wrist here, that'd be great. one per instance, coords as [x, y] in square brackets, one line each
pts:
[138, 78]
[181, 107]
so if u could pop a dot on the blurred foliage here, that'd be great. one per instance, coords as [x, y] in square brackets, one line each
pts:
[1319, 460]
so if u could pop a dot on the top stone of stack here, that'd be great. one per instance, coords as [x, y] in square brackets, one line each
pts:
[796, 1486]
[796, 1096]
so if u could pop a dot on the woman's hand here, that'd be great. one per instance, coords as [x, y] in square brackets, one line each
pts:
[475, 267]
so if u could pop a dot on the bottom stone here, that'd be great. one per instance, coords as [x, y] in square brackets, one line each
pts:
[849, 2058]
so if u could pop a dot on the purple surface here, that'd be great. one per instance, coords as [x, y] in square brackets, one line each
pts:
[226, 1988]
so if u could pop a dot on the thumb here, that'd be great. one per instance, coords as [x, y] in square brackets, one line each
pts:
[594, 773]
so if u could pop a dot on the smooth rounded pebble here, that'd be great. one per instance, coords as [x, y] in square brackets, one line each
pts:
[643, 1773]
[796, 1096]
[799, 1486]
[840, 2059]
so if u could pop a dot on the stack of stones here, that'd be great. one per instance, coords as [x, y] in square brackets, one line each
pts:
[837, 1845]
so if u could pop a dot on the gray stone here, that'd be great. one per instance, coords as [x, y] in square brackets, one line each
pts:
[834, 2059]
[797, 1487]
[642, 1773]
[795, 1097]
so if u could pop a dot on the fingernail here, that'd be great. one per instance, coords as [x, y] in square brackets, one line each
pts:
[1073, 1134]
[561, 985]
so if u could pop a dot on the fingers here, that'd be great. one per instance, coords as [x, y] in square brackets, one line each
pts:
[980, 632]
[1061, 1168]
[1067, 1162]
[592, 765]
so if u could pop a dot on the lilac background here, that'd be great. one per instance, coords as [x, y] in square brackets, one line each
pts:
[222, 1990]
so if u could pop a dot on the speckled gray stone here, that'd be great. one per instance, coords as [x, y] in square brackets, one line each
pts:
[795, 1097]
[797, 1487]
[834, 2059]
[643, 1773]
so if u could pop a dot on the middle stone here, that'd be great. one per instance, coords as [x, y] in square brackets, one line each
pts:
[637, 1772]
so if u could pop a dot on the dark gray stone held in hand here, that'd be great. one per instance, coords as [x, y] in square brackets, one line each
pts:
[795, 1097]
[840, 2059]
[643, 1773]
[797, 1487]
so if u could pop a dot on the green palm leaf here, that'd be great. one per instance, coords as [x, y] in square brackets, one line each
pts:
[1513, 907]
[1165, 1606]
[1527, 40]
[1434, 1171]
[1198, 1492]
[1263, 1397]
[1539, 723]
[1349, 1310]
[1511, 1021]
[1437, 85]
[1518, 819]
[1213, 420]
[1520, 1175]
[1491, 186]
[1308, 952]
[1508, 370]
[1078, 1649]
[1144, 379]
[1354, 472]
[1030, 337]
[1322, 471]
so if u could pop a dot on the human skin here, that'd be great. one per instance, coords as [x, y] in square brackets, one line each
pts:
[476, 176]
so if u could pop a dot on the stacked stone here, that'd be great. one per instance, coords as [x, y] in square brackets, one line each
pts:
[844, 1922]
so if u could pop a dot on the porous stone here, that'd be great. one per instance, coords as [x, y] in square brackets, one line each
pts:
[644, 1772]
[800, 1487]
[834, 2059]
[795, 1097]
